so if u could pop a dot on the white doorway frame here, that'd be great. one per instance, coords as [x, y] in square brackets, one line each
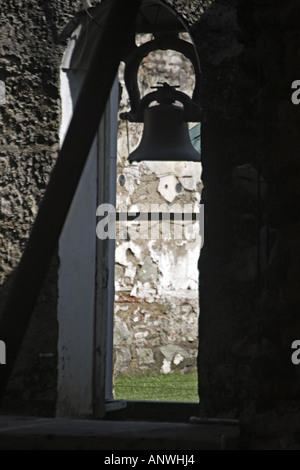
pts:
[86, 272]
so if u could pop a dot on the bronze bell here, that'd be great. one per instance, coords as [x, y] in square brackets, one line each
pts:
[165, 136]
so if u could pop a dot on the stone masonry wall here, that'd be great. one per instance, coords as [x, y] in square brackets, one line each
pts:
[249, 289]
[234, 198]
[30, 57]
[249, 295]
[272, 34]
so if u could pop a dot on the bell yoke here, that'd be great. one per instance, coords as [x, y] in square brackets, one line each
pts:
[166, 135]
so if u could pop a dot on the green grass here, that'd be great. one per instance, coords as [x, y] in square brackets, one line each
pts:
[169, 387]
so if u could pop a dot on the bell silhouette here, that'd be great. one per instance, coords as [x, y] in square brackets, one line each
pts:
[165, 136]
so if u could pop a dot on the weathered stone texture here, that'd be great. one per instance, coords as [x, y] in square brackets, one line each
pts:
[228, 262]
[278, 384]
[30, 116]
[249, 52]
[248, 296]
[154, 337]
[30, 58]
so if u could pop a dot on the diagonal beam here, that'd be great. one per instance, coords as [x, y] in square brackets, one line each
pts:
[31, 272]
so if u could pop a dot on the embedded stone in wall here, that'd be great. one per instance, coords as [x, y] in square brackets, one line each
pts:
[166, 367]
[145, 356]
[167, 187]
[121, 332]
[122, 358]
[172, 350]
[119, 272]
[148, 271]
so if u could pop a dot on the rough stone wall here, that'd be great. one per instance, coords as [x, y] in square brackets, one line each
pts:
[157, 305]
[250, 261]
[250, 145]
[30, 58]
[228, 324]
[272, 33]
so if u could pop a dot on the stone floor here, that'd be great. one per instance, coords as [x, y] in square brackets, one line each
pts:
[30, 433]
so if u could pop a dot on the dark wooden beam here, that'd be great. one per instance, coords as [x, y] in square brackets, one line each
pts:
[31, 272]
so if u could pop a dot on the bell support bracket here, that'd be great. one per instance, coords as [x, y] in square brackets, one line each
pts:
[192, 110]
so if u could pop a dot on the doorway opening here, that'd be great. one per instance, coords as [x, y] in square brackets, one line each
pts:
[150, 310]
[156, 305]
